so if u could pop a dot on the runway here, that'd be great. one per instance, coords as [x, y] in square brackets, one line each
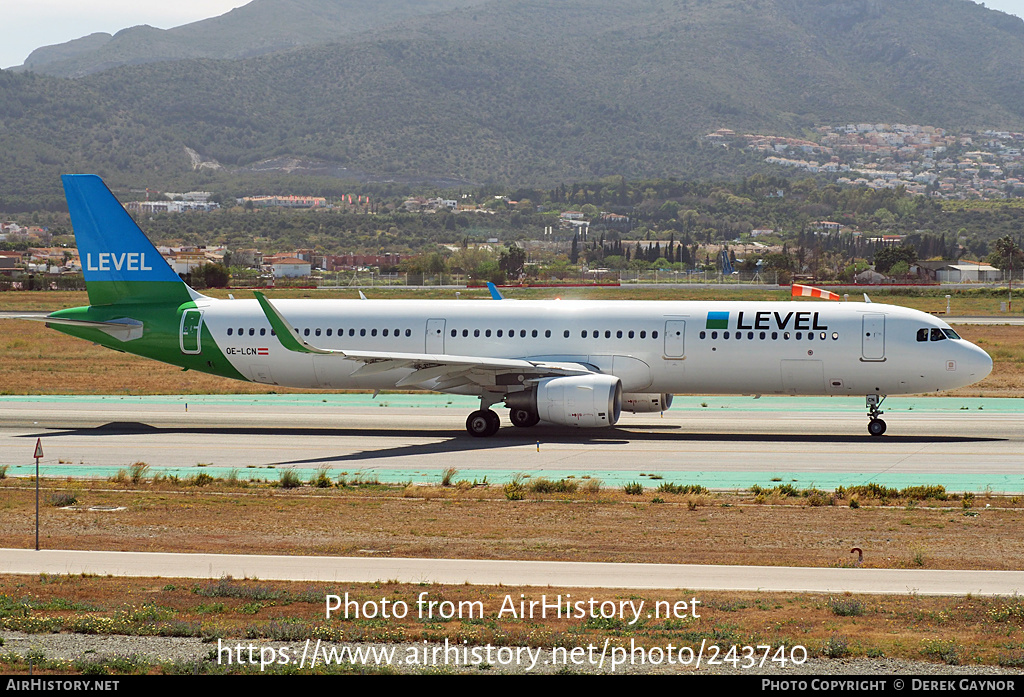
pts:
[514, 573]
[963, 444]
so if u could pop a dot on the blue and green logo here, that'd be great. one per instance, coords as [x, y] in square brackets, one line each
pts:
[718, 320]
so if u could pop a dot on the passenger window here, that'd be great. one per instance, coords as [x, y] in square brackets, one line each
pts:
[454, 332]
[785, 335]
[763, 335]
[476, 332]
[318, 331]
[775, 336]
[750, 335]
[566, 333]
[703, 335]
[631, 334]
[922, 334]
[522, 333]
[618, 334]
[329, 332]
[499, 333]
[408, 332]
[362, 332]
[607, 334]
[231, 330]
[465, 332]
[547, 333]
[643, 335]
[304, 331]
[654, 334]
[725, 335]
[799, 335]
[534, 333]
[487, 333]
[937, 334]
[263, 331]
[714, 335]
[583, 334]
[385, 332]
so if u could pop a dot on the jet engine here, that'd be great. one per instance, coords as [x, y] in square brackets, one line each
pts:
[638, 403]
[587, 401]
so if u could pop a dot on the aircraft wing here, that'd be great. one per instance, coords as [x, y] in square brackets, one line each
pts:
[443, 370]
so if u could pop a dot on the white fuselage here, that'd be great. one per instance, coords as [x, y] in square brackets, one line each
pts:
[809, 348]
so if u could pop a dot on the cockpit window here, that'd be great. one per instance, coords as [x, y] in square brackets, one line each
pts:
[950, 333]
[922, 334]
[937, 334]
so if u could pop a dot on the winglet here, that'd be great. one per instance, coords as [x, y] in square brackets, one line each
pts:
[495, 295]
[286, 333]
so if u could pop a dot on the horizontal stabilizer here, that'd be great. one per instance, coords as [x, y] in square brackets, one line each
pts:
[125, 329]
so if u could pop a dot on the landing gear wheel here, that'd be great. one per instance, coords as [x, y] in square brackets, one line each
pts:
[876, 426]
[523, 418]
[483, 423]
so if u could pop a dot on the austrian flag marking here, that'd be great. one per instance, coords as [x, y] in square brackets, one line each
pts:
[263, 352]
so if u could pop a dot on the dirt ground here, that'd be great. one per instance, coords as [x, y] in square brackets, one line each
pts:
[735, 528]
[479, 523]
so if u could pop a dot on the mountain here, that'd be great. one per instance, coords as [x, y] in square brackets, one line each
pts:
[524, 91]
[261, 26]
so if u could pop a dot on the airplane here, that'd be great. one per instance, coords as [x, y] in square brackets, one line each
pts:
[576, 363]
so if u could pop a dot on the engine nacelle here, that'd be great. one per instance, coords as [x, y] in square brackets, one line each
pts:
[638, 403]
[587, 401]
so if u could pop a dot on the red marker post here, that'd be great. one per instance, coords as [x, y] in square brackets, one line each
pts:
[38, 454]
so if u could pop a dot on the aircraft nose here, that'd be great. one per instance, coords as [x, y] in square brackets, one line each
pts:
[979, 363]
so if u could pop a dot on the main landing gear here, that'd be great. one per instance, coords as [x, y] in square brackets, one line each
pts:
[483, 423]
[876, 426]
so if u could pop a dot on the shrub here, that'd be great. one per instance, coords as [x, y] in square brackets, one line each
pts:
[60, 499]
[289, 480]
[634, 489]
[201, 479]
[835, 647]
[515, 490]
[669, 488]
[542, 485]
[846, 607]
[137, 472]
[321, 480]
[448, 475]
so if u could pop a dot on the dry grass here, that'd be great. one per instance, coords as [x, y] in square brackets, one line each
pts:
[953, 630]
[480, 523]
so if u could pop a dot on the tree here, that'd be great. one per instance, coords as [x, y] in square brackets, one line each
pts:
[512, 260]
[1007, 255]
[887, 257]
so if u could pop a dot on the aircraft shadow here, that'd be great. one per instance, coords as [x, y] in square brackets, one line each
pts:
[449, 441]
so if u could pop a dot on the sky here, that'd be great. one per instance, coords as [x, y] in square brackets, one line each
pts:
[29, 25]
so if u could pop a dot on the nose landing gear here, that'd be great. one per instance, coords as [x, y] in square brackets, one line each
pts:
[876, 426]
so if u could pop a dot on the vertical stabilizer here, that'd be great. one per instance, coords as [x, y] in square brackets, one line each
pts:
[119, 262]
